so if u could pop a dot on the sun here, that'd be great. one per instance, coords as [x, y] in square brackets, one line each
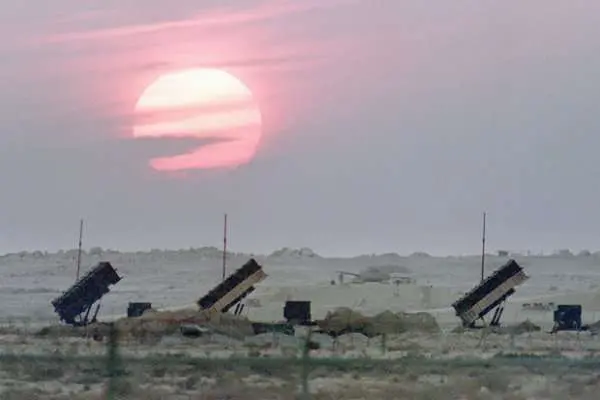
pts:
[208, 105]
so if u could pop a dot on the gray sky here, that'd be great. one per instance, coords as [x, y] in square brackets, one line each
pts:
[388, 125]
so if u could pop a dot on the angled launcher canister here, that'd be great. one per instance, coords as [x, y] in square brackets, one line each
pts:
[233, 289]
[74, 306]
[490, 293]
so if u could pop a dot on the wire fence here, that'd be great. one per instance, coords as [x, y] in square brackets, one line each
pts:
[117, 367]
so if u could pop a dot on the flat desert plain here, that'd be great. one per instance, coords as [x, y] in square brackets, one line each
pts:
[42, 360]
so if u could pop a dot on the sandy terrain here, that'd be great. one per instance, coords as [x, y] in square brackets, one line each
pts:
[445, 364]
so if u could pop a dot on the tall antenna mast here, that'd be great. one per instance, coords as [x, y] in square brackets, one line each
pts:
[79, 248]
[483, 248]
[224, 248]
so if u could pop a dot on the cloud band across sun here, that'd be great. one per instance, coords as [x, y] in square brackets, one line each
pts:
[200, 104]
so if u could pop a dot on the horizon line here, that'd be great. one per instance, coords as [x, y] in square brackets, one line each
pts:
[98, 250]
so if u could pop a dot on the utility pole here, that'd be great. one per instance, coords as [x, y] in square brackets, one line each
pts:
[224, 249]
[483, 248]
[79, 248]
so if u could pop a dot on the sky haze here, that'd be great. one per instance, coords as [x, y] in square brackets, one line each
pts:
[386, 125]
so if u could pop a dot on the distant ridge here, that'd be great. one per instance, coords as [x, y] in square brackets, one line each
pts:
[291, 253]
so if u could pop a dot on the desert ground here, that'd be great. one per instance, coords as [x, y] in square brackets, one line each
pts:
[42, 360]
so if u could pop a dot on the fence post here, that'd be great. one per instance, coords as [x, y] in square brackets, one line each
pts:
[305, 366]
[113, 367]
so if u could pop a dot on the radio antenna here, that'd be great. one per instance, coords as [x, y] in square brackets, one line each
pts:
[224, 248]
[79, 248]
[483, 248]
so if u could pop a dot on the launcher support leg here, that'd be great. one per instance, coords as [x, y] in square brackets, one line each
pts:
[84, 319]
[96, 313]
[497, 315]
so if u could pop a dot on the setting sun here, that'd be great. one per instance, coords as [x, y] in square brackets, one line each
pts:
[203, 104]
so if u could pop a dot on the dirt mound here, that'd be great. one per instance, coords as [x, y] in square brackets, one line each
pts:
[419, 322]
[58, 331]
[155, 324]
[518, 329]
[345, 320]
[169, 322]
[385, 323]
[526, 326]
[595, 327]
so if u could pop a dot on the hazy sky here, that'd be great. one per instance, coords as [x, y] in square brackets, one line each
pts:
[388, 125]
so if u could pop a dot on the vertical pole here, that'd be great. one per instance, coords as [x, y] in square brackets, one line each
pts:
[79, 248]
[114, 364]
[483, 249]
[224, 248]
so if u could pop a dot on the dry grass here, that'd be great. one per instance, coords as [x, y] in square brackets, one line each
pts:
[332, 388]
[75, 368]
[175, 377]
